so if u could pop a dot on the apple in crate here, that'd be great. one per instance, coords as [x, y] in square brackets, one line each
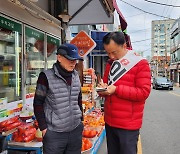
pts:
[38, 135]
[25, 115]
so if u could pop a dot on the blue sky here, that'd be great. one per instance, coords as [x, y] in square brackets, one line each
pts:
[139, 23]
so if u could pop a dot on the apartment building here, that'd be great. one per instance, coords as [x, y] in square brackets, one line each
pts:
[175, 53]
[160, 47]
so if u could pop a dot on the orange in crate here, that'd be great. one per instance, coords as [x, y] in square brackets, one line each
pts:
[86, 144]
[89, 133]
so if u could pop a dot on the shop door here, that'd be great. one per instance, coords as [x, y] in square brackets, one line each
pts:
[10, 59]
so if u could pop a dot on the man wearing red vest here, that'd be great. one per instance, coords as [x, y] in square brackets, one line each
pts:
[127, 79]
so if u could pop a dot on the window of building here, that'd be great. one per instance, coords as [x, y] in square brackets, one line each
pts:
[176, 40]
[155, 36]
[162, 41]
[162, 25]
[156, 41]
[162, 31]
[162, 36]
[178, 55]
[162, 47]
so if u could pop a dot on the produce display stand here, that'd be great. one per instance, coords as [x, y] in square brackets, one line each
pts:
[22, 146]
[37, 146]
[90, 105]
[97, 141]
[31, 146]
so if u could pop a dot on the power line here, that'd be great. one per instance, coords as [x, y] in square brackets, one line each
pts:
[141, 40]
[145, 11]
[139, 31]
[168, 8]
[151, 38]
[172, 9]
[162, 3]
[134, 15]
[164, 7]
[147, 49]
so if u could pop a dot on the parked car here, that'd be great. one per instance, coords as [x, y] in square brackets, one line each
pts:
[162, 83]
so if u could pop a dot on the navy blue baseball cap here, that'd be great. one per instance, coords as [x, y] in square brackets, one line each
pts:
[69, 51]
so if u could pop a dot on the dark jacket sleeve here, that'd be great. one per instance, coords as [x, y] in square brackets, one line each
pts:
[39, 98]
[80, 103]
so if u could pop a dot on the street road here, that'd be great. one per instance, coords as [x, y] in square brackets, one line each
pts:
[160, 133]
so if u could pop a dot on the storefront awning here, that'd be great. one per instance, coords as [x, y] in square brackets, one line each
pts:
[29, 13]
[94, 12]
[128, 41]
[123, 22]
[88, 12]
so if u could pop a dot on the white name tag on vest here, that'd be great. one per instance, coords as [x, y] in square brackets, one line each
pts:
[122, 66]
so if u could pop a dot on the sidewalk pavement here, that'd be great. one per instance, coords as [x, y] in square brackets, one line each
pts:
[103, 147]
[176, 91]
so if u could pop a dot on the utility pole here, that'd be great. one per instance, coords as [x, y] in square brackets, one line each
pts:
[165, 58]
[157, 69]
[157, 63]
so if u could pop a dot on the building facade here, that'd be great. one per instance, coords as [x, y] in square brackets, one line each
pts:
[97, 58]
[30, 33]
[160, 47]
[175, 53]
[28, 44]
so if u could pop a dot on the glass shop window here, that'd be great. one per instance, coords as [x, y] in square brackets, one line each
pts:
[10, 60]
[35, 57]
[52, 45]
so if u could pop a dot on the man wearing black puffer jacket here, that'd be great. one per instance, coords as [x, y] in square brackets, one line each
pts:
[58, 104]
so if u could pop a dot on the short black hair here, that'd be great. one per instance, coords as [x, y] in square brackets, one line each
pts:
[117, 37]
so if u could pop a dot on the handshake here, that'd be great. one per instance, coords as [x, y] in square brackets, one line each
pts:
[104, 89]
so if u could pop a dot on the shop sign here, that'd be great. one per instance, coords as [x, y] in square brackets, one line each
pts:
[53, 40]
[9, 24]
[34, 33]
[3, 103]
[84, 43]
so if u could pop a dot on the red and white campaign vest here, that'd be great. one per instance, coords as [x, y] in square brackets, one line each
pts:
[122, 66]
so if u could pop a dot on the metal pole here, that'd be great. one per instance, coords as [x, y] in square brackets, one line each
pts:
[165, 59]
[158, 51]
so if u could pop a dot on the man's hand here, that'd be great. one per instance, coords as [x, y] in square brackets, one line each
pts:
[110, 89]
[102, 84]
[44, 132]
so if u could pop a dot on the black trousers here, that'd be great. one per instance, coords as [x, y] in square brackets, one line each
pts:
[63, 143]
[121, 141]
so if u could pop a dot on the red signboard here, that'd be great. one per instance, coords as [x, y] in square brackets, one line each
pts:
[84, 43]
